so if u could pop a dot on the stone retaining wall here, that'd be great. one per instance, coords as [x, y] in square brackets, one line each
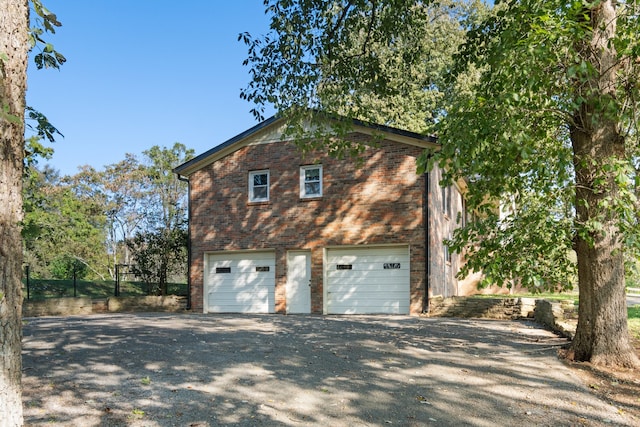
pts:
[489, 308]
[57, 307]
[83, 306]
[170, 303]
[559, 316]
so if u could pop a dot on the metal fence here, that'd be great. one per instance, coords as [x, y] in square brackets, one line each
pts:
[39, 288]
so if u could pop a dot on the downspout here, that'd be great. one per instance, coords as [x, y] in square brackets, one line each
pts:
[185, 179]
[427, 252]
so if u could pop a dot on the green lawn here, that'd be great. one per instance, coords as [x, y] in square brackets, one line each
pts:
[49, 288]
[633, 314]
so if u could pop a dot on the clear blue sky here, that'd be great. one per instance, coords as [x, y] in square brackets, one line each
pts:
[145, 72]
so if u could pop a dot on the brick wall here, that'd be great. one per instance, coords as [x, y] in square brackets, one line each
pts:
[378, 200]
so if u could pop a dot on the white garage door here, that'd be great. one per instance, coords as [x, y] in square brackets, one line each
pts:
[367, 280]
[240, 283]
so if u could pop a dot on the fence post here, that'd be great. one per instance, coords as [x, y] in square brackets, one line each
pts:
[116, 285]
[26, 269]
[75, 286]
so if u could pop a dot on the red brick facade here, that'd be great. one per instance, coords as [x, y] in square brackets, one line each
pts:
[375, 202]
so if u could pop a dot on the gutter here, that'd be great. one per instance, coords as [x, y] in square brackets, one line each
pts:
[185, 179]
[427, 252]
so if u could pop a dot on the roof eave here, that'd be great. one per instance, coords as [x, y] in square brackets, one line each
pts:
[231, 145]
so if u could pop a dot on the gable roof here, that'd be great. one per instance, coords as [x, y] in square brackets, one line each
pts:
[271, 129]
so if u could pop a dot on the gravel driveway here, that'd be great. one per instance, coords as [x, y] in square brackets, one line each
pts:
[276, 370]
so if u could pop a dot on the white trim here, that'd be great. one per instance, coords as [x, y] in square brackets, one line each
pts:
[251, 187]
[303, 182]
[274, 133]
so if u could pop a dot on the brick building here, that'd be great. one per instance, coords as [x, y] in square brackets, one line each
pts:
[273, 230]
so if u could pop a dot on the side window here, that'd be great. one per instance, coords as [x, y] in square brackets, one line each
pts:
[448, 256]
[446, 200]
[259, 186]
[311, 181]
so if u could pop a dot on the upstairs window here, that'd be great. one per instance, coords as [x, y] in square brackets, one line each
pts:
[446, 201]
[259, 186]
[311, 181]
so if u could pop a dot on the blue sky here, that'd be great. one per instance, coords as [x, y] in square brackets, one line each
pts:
[141, 73]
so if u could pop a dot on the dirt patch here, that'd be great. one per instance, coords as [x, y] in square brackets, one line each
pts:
[619, 387]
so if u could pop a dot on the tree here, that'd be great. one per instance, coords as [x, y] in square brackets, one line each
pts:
[66, 267]
[556, 110]
[16, 39]
[542, 112]
[123, 185]
[14, 48]
[159, 249]
[62, 221]
[157, 255]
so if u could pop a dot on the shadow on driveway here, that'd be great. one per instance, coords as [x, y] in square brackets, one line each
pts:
[275, 370]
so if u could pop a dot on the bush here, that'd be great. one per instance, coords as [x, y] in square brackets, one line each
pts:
[64, 266]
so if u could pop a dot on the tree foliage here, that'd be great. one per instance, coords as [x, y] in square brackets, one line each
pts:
[539, 115]
[552, 123]
[62, 223]
[349, 60]
[159, 255]
[89, 217]
[159, 251]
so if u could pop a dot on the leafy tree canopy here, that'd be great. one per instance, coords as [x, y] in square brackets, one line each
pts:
[349, 59]
[537, 110]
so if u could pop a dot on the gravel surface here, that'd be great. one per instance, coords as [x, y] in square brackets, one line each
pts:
[276, 370]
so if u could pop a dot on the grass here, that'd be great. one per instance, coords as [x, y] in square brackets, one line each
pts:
[633, 316]
[51, 288]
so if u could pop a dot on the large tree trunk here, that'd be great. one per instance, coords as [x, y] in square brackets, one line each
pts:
[14, 25]
[602, 336]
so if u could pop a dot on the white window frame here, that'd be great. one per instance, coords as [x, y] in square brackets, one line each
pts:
[303, 174]
[252, 174]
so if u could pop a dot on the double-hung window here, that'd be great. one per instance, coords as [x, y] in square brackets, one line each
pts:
[311, 181]
[259, 186]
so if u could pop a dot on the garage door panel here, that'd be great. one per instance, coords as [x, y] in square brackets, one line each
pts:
[379, 307]
[243, 295]
[368, 280]
[368, 298]
[370, 259]
[240, 267]
[369, 271]
[241, 283]
[339, 276]
[238, 308]
[232, 287]
[361, 288]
